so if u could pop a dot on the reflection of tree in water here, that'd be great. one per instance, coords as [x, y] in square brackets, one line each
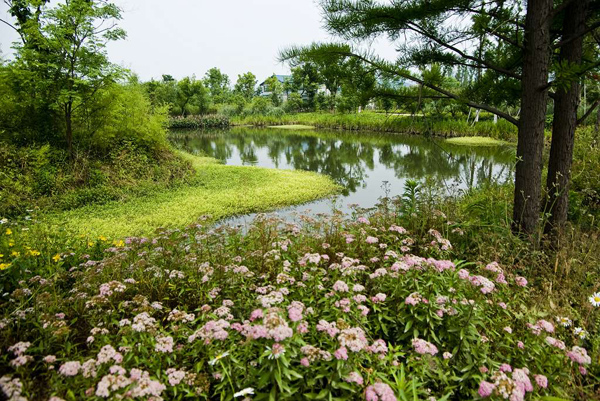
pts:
[348, 160]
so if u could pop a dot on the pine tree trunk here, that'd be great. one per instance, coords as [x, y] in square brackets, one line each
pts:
[565, 121]
[534, 99]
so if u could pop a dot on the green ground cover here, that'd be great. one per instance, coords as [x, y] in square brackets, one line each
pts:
[476, 141]
[217, 191]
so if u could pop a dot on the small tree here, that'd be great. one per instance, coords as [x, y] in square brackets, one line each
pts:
[191, 92]
[62, 55]
[245, 85]
[217, 84]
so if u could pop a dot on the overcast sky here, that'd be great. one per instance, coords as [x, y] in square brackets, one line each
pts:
[185, 37]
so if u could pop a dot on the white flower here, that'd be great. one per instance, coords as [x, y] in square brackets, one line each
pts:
[595, 299]
[246, 391]
[218, 358]
[579, 332]
[564, 321]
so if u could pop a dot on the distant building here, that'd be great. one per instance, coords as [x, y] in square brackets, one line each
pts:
[264, 92]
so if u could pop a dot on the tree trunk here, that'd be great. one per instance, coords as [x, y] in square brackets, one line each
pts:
[565, 121]
[534, 99]
[69, 124]
[598, 122]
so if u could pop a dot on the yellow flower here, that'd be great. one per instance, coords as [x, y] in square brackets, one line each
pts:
[102, 238]
[4, 266]
[119, 243]
[34, 252]
[11, 244]
[8, 231]
[1, 255]
[15, 254]
[56, 258]
[90, 244]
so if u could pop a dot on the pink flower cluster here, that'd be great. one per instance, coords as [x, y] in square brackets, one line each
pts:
[212, 330]
[514, 387]
[423, 347]
[380, 392]
[138, 384]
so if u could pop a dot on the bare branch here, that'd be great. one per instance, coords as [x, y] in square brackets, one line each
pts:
[587, 113]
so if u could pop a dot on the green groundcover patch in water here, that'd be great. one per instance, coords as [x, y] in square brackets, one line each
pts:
[292, 126]
[217, 191]
[477, 141]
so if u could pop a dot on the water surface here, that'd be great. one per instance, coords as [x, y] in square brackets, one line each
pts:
[363, 163]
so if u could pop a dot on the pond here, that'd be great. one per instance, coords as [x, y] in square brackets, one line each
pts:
[365, 164]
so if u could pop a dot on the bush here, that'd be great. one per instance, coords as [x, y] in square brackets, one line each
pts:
[199, 122]
[45, 177]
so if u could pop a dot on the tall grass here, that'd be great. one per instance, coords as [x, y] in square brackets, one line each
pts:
[446, 127]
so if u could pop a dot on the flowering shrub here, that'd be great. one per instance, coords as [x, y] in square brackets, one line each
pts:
[357, 309]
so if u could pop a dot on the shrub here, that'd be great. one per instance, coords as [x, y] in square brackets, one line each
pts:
[345, 309]
[199, 122]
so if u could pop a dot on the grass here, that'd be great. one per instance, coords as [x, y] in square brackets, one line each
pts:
[476, 141]
[217, 191]
[370, 121]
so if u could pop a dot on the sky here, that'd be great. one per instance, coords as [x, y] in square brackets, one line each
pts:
[185, 37]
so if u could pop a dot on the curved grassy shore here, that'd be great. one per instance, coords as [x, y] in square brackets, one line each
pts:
[218, 191]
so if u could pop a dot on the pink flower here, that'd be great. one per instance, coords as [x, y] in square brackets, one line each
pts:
[371, 240]
[485, 389]
[521, 345]
[354, 377]
[379, 297]
[521, 377]
[379, 347]
[541, 381]
[505, 368]
[70, 368]
[341, 353]
[413, 299]
[380, 392]
[256, 314]
[555, 343]
[340, 286]
[304, 362]
[164, 344]
[521, 281]
[295, 314]
[579, 355]
[353, 338]
[423, 347]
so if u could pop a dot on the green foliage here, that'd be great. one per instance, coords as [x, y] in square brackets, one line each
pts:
[275, 88]
[44, 177]
[217, 84]
[294, 103]
[121, 113]
[61, 64]
[191, 97]
[245, 86]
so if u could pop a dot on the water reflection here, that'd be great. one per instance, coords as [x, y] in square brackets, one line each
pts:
[359, 162]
